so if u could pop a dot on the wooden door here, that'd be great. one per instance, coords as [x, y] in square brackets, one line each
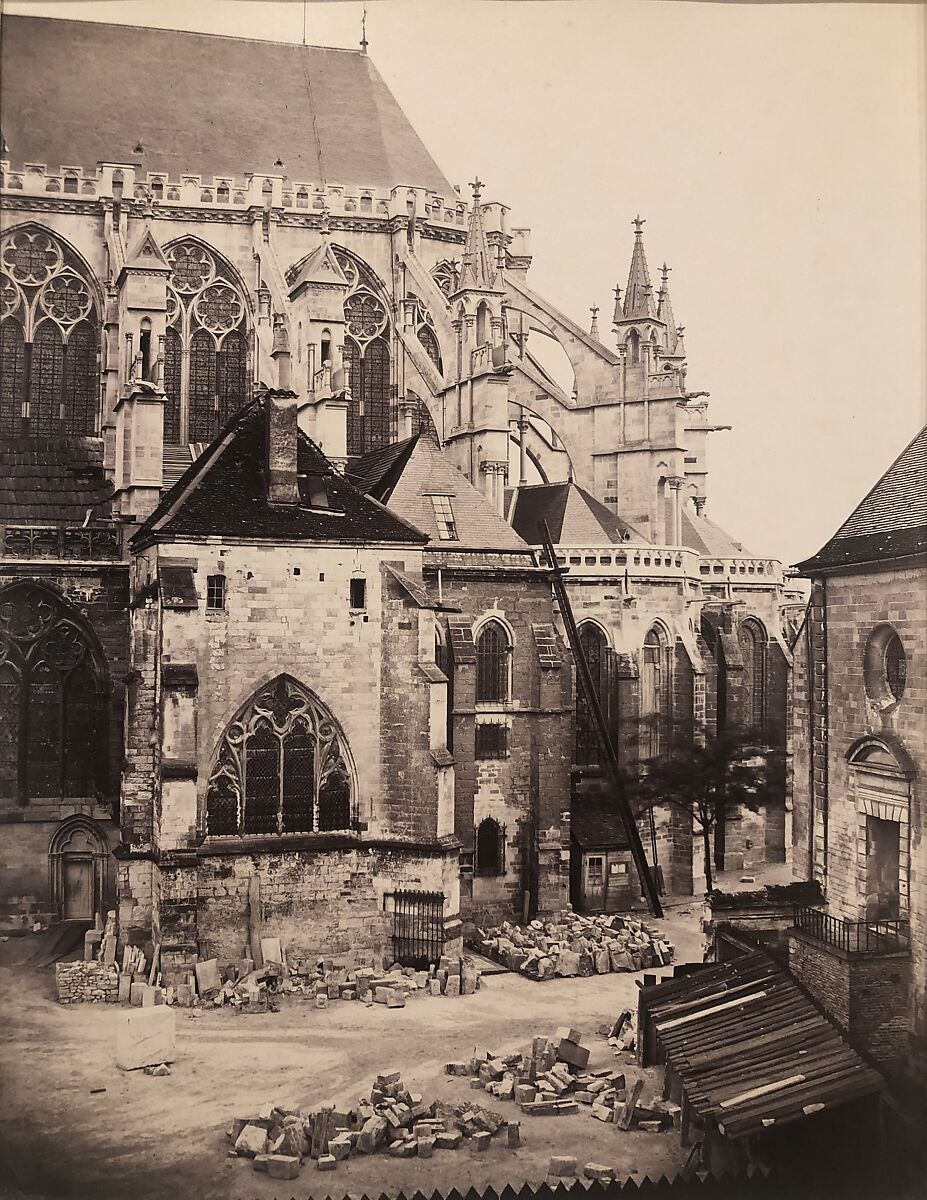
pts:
[882, 874]
[593, 882]
[78, 889]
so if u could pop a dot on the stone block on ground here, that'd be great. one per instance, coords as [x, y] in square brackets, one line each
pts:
[251, 1141]
[145, 1037]
[281, 1166]
[566, 1033]
[563, 1165]
[207, 977]
[481, 1140]
[426, 1147]
[570, 1052]
[513, 1135]
[593, 1170]
[327, 1162]
[448, 1140]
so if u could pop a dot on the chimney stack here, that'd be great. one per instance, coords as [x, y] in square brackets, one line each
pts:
[282, 429]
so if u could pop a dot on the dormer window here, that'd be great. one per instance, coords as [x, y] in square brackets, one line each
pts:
[444, 515]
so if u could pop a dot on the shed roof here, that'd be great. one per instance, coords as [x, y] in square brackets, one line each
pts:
[597, 825]
[326, 114]
[52, 481]
[752, 1051]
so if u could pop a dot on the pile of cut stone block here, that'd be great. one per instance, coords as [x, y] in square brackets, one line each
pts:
[553, 1080]
[86, 982]
[451, 976]
[574, 944]
[392, 1121]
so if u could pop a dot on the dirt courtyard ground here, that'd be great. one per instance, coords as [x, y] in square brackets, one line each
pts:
[165, 1137]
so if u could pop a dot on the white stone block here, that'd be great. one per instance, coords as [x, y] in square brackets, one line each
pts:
[145, 1037]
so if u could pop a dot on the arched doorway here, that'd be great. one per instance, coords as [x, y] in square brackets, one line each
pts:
[77, 856]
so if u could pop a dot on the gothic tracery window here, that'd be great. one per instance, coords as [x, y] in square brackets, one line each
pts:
[282, 768]
[367, 357]
[445, 276]
[49, 339]
[656, 694]
[206, 347]
[492, 664]
[595, 648]
[50, 699]
[752, 638]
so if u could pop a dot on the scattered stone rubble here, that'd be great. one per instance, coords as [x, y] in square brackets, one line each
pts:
[392, 1121]
[86, 982]
[574, 945]
[553, 1080]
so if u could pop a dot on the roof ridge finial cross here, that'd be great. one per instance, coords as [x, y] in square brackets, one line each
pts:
[594, 310]
[477, 185]
[638, 224]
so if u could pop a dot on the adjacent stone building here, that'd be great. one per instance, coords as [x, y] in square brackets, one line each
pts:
[860, 749]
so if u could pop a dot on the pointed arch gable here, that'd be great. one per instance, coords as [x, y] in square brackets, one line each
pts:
[79, 260]
[228, 266]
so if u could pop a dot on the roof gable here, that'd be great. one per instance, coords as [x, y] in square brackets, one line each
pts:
[891, 519]
[320, 267]
[573, 516]
[224, 493]
[326, 114]
[419, 470]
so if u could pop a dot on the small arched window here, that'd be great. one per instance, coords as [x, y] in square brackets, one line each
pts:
[656, 694]
[482, 325]
[489, 852]
[492, 664]
[223, 193]
[283, 767]
[595, 648]
[50, 699]
[634, 347]
[752, 638]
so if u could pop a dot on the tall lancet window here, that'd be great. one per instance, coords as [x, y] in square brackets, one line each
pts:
[206, 345]
[367, 357]
[49, 338]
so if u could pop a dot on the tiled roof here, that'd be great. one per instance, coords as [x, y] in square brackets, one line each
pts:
[420, 469]
[224, 493]
[752, 1051]
[573, 515]
[703, 535]
[889, 522]
[378, 471]
[326, 114]
[49, 481]
[596, 824]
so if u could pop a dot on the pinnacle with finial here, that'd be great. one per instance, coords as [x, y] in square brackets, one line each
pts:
[638, 224]
[477, 185]
[594, 327]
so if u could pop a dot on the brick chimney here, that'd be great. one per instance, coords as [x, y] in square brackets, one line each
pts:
[282, 429]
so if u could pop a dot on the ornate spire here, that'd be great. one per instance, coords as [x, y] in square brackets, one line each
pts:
[665, 310]
[478, 271]
[638, 295]
[594, 327]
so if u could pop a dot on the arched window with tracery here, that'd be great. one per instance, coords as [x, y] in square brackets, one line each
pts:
[49, 338]
[752, 638]
[206, 344]
[595, 647]
[445, 276]
[489, 850]
[423, 324]
[493, 651]
[51, 695]
[656, 694]
[283, 767]
[367, 357]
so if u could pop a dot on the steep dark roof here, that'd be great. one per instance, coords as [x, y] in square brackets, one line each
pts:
[596, 824]
[326, 114]
[47, 481]
[573, 515]
[224, 493]
[378, 471]
[703, 535]
[889, 522]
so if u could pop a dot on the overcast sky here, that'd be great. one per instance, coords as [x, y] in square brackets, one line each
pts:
[777, 154]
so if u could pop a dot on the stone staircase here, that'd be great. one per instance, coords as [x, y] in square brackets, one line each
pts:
[176, 461]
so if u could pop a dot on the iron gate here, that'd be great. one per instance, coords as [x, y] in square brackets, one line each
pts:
[418, 928]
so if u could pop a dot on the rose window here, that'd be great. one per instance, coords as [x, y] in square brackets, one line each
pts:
[191, 266]
[31, 257]
[219, 308]
[66, 299]
[364, 316]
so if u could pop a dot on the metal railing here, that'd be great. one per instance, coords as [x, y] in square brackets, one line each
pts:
[852, 937]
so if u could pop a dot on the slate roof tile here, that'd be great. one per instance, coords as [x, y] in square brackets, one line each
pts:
[889, 522]
[326, 114]
[51, 481]
[224, 493]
